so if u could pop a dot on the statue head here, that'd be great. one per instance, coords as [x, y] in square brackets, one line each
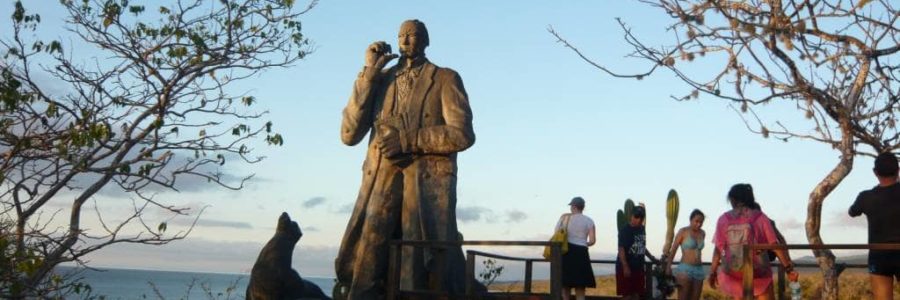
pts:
[413, 38]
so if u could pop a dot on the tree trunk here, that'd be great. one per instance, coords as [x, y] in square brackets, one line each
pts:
[825, 258]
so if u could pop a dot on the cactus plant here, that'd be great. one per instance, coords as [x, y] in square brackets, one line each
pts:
[623, 216]
[672, 206]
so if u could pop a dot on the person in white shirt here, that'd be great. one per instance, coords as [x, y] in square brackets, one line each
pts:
[576, 263]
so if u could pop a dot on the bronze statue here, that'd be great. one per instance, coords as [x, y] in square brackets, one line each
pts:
[417, 116]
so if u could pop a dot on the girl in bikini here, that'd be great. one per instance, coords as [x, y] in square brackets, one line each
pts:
[689, 273]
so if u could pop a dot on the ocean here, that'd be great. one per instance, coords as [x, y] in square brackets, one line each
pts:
[147, 284]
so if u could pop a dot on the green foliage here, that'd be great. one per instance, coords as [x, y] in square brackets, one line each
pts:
[625, 213]
[672, 207]
[492, 270]
[229, 292]
[118, 123]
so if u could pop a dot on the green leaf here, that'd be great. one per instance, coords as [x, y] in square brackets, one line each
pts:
[19, 13]
[162, 227]
[275, 140]
[136, 9]
[55, 46]
[52, 109]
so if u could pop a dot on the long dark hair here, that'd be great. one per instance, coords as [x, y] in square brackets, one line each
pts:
[695, 213]
[741, 194]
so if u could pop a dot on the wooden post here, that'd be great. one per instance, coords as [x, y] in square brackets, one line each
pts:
[781, 283]
[648, 280]
[747, 269]
[529, 266]
[393, 284]
[470, 275]
[556, 271]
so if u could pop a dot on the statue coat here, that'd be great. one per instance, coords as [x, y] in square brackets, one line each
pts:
[415, 200]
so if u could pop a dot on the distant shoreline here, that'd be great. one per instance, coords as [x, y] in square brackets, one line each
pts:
[103, 268]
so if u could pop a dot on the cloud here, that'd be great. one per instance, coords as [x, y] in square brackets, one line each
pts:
[515, 216]
[345, 209]
[311, 229]
[842, 219]
[213, 223]
[204, 255]
[790, 224]
[184, 183]
[463, 214]
[473, 213]
[313, 202]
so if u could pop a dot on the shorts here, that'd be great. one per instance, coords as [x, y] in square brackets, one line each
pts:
[884, 263]
[885, 269]
[633, 285]
[694, 272]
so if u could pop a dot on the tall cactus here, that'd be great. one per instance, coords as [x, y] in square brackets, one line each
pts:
[672, 205]
[624, 216]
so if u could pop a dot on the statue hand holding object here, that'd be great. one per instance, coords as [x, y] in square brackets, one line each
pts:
[378, 54]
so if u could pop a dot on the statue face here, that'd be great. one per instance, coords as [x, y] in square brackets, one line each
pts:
[412, 41]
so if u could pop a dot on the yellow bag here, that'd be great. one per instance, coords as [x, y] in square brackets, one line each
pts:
[561, 235]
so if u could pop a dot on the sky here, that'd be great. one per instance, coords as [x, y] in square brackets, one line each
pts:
[549, 127]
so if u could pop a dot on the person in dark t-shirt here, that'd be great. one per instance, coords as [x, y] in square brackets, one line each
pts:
[881, 205]
[630, 262]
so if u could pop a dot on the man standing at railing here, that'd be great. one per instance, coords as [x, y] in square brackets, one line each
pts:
[881, 205]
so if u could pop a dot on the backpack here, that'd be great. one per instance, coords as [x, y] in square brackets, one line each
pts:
[739, 231]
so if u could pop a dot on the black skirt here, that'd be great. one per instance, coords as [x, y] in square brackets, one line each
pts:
[576, 268]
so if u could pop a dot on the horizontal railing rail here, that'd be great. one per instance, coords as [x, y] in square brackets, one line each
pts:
[747, 267]
[395, 292]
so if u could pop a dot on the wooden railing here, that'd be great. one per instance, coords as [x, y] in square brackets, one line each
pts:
[555, 291]
[393, 284]
[527, 283]
[747, 267]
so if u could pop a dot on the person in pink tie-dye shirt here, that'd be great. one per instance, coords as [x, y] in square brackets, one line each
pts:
[745, 223]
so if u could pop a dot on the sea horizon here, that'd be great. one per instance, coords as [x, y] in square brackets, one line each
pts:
[131, 283]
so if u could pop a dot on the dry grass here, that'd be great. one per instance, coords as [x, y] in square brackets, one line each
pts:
[853, 285]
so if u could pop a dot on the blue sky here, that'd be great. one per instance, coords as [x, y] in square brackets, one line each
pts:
[548, 125]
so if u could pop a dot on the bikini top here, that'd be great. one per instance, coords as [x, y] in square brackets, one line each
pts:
[690, 243]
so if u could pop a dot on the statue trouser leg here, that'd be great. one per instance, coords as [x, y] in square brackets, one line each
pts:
[429, 205]
[413, 275]
[382, 215]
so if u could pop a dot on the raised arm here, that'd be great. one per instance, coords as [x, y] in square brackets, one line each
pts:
[358, 115]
